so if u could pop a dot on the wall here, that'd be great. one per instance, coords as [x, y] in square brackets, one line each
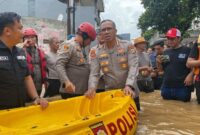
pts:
[43, 8]
[50, 9]
[125, 36]
[84, 14]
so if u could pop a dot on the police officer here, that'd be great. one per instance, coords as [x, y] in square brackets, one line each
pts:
[144, 80]
[72, 64]
[100, 41]
[14, 71]
[117, 60]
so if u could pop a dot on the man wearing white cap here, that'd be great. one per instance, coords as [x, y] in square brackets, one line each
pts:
[177, 81]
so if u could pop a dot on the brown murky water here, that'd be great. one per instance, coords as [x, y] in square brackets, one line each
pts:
[168, 117]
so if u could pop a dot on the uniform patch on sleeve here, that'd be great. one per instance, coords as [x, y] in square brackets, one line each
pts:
[66, 47]
[78, 48]
[131, 49]
[93, 54]
[81, 60]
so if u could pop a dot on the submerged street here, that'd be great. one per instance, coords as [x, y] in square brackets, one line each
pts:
[163, 117]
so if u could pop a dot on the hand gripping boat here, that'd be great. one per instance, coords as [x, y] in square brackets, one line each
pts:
[109, 113]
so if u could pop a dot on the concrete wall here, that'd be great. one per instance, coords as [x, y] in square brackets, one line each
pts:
[84, 14]
[193, 37]
[50, 9]
[42, 8]
[125, 36]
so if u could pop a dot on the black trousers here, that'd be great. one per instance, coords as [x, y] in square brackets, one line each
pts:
[100, 90]
[157, 81]
[69, 95]
[145, 85]
[53, 88]
[197, 86]
[137, 103]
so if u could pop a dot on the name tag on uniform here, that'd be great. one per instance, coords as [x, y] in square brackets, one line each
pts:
[182, 56]
[4, 58]
[21, 57]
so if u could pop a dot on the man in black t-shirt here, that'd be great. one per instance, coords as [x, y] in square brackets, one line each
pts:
[177, 78]
[194, 62]
[15, 78]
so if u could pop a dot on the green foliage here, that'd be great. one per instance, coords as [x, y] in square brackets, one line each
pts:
[148, 34]
[161, 15]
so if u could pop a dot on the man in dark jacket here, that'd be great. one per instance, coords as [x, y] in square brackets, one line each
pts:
[15, 76]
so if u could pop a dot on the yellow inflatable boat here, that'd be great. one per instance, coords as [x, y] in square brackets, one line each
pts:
[109, 113]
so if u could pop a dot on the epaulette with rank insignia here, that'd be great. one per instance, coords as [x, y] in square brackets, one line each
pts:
[93, 53]
[65, 47]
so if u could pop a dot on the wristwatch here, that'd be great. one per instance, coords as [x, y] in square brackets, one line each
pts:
[131, 87]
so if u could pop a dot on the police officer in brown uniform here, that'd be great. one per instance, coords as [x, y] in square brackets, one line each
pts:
[117, 60]
[144, 80]
[72, 64]
[100, 41]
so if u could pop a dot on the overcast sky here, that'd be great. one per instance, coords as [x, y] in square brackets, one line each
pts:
[125, 13]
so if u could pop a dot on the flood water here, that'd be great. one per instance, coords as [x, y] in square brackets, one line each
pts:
[168, 117]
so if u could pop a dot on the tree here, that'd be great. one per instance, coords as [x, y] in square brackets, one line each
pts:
[148, 34]
[161, 15]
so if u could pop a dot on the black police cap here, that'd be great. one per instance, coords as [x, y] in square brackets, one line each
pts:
[159, 42]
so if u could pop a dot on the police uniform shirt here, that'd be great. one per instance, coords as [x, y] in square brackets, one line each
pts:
[143, 60]
[72, 65]
[101, 83]
[119, 66]
[13, 70]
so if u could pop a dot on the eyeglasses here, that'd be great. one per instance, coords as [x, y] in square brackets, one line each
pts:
[56, 42]
[109, 29]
